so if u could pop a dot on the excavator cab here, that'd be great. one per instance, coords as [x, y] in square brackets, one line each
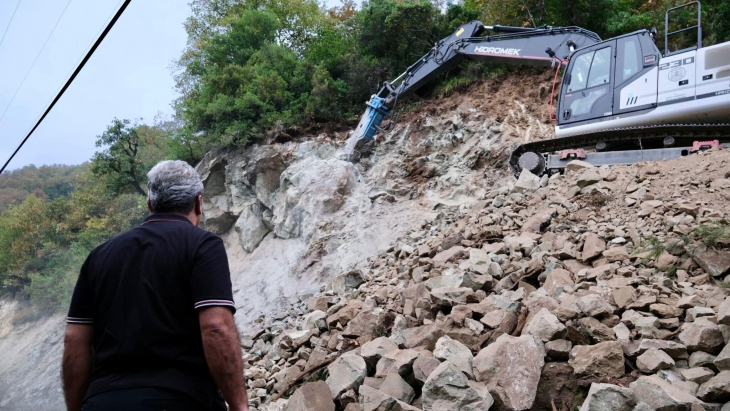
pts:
[597, 78]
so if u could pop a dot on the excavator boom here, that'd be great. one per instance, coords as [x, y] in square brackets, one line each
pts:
[620, 97]
[541, 46]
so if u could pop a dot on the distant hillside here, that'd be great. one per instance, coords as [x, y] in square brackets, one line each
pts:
[46, 182]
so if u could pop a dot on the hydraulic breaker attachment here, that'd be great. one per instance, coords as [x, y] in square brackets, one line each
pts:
[366, 129]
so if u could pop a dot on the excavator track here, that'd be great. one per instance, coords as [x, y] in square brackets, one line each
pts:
[623, 139]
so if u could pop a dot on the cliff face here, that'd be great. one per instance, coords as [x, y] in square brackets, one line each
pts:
[294, 215]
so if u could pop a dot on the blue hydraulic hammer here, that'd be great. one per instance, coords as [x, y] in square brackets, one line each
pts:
[368, 126]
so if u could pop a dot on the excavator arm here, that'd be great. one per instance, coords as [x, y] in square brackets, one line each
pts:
[541, 46]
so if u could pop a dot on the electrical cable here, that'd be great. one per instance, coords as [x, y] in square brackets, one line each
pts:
[10, 22]
[34, 61]
[70, 80]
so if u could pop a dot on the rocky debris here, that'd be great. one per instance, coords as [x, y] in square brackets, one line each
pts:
[312, 396]
[661, 395]
[608, 397]
[447, 388]
[506, 357]
[564, 302]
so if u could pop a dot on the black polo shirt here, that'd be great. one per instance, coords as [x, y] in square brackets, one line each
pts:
[141, 291]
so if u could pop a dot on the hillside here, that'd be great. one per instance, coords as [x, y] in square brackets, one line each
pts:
[428, 261]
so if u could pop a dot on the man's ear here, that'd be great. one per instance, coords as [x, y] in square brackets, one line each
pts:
[199, 205]
[149, 205]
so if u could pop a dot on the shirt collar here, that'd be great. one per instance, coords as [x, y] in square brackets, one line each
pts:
[166, 217]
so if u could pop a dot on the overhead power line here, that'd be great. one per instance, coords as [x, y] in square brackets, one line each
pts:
[10, 22]
[70, 80]
[34, 61]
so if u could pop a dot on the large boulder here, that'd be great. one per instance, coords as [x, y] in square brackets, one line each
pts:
[400, 361]
[510, 367]
[557, 282]
[593, 247]
[608, 397]
[447, 389]
[312, 396]
[545, 326]
[716, 389]
[456, 353]
[374, 350]
[395, 386]
[654, 360]
[714, 262]
[346, 373]
[604, 359]
[702, 335]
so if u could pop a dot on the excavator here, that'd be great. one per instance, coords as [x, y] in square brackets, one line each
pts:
[620, 101]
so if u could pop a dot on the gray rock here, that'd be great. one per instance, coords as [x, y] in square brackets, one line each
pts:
[345, 373]
[456, 353]
[498, 364]
[697, 375]
[447, 389]
[654, 360]
[374, 350]
[701, 359]
[723, 314]
[545, 326]
[527, 182]
[372, 399]
[558, 350]
[312, 396]
[716, 389]
[608, 397]
[316, 320]
[661, 395]
[395, 386]
[347, 282]
[594, 305]
[605, 359]
[557, 282]
[400, 361]
[424, 366]
[714, 262]
[588, 177]
[702, 335]
[722, 362]
[593, 247]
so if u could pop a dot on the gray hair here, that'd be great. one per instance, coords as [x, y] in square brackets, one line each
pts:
[173, 186]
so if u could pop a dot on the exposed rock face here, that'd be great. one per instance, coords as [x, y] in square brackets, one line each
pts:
[510, 367]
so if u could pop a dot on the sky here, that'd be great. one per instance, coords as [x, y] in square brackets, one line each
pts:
[129, 75]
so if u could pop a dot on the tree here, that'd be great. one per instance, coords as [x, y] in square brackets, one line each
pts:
[119, 161]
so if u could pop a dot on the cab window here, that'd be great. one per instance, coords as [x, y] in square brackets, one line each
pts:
[600, 68]
[579, 73]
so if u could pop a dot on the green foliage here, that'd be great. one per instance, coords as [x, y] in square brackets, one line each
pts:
[46, 182]
[654, 246]
[671, 272]
[712, 233]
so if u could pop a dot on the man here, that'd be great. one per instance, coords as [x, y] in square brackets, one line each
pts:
[151, 320]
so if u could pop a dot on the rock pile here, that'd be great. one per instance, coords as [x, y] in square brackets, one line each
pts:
[604, 289]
